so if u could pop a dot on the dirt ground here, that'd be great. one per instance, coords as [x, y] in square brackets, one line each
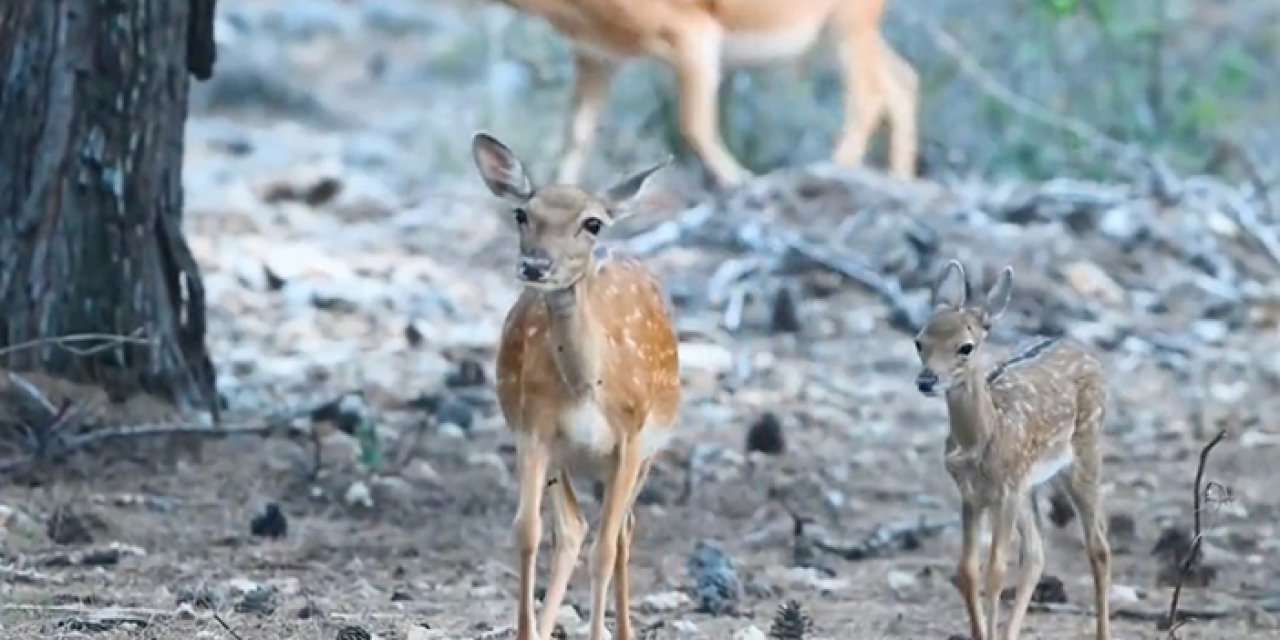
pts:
[312, 293]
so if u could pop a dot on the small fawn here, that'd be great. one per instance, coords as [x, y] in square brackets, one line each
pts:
[1035, 418]
[587, 375]
[697, 37]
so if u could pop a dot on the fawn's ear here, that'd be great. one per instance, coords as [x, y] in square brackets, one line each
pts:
[618, 197]
[501, 170]
[950, 291]
[998, 297]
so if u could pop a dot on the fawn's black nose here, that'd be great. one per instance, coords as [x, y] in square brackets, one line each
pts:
[532, 272]
[926, 381]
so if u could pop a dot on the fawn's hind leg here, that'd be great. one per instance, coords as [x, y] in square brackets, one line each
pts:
[1082, 484]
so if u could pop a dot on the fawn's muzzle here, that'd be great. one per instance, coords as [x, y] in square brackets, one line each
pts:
[534, 269]
[926, 382]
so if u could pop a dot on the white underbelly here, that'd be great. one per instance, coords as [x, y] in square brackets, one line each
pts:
[1045, 469]
[587, 442]
[759, 47]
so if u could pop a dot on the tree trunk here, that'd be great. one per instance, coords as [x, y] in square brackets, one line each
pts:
[93, 100]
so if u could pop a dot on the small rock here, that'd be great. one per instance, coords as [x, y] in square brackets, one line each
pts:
[401, 596]
[15, 522]
[68, 527]
[716, 584]
[451, 431]
[785, 317]
[1210, 331]
[685, 627]
[260, 601]
[765, 435]
[1122, 595]
[421, 471]
[1091, 281]
[395, 489]
[271, 523]
[358, 494]
[469, 373]
[701, 356]
[665, 601]
[492, 461]
[750, 633]
[1121, 225]
[453, 410]
[413, 335]
[901, 581]
[419, 632]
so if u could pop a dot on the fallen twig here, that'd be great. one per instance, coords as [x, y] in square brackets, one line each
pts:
[109, 340]
[92, 557]
[67, 445]
[25, 576]
[1171, 621]
[886, 538]
[226, 626]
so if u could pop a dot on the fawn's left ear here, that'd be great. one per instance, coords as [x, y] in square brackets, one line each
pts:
[618, 197]
[998, 298]
[950, 290]
[501, 170]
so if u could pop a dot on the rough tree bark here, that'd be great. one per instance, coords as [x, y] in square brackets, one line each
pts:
[93, 100]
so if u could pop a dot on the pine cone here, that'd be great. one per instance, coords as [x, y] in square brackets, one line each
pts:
[791, 623]
[352, 632]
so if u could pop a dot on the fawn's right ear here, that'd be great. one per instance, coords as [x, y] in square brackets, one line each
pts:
[949, 291]
[998, 297]
[501, 170]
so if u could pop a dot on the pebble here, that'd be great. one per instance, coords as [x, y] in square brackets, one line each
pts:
[665, 601]
[358, 494]
[750, 633]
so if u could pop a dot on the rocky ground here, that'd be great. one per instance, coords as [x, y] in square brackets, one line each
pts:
[357, 276]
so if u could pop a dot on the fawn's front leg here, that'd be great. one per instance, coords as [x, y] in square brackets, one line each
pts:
[532, 457]
[1002, 518]
[967, 570]
[622, 564]
[591, 77]
[570, 531]
[617, 504]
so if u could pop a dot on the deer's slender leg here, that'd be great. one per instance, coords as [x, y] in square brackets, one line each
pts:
[592, 76]
[570, 531]
[617, 502]
[622, 564]
[1002, 518]
[878, 82]
[1082, 485]
[532, 458]
[1031, 565]
[967, 570]
[863, 62]
[902, 102]
[696, 60]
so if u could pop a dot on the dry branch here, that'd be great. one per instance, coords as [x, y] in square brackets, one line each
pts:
[1171, 621]
[885, 538]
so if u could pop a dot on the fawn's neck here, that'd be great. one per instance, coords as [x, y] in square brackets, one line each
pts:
[571, 339]
[971, 409]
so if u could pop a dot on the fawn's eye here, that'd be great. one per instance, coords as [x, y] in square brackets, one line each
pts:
[965, 349]
[919, 347]
[522, 216]
[592, 225]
